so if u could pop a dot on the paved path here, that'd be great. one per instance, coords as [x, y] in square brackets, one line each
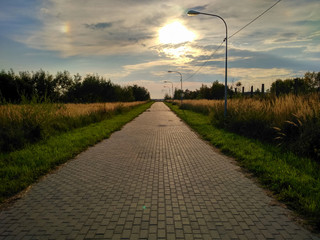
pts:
[154, 179]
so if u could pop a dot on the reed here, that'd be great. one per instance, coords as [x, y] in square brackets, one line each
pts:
[290, 121]
[24, 124]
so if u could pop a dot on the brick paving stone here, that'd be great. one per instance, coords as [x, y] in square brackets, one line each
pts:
[154, 179]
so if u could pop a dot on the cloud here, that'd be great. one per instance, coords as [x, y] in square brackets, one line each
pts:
[286, 40]
[102, 25]
[131, 26]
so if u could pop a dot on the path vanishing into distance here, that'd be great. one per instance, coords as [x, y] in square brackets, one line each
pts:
[154, 179]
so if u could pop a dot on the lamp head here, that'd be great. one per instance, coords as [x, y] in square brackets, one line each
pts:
[192, 13]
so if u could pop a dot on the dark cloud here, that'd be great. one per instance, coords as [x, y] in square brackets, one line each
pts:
[264, 60]
[238, 58]
[200, 8]
[101, 25]
[313, 23]
[286, 37]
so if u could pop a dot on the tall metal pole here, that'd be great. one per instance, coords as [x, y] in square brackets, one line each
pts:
[168, 90]
[193, 13]
[181, 87]
[171, 87]
[180, 81]
[226, 73]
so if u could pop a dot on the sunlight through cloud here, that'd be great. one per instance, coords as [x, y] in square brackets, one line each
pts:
[175, 33]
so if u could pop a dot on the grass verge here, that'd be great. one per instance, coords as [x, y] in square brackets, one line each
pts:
[294, 180]
[21, 168]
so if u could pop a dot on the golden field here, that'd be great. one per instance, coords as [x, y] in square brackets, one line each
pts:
[279, 109]
[29, 123]
[291, 121]
[18, 112]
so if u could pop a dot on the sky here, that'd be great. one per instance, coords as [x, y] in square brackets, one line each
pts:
[139, 41]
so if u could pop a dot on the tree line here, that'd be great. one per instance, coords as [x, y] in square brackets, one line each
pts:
[307, 84]
[215, 91]
[63, 87]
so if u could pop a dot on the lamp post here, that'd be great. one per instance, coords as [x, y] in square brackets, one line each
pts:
[194, 13]
[171, 87]
[180, 81]
[168, 88]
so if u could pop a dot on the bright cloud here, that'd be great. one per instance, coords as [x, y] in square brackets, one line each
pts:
[175, 33]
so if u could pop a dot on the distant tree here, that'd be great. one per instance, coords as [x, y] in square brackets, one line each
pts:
[25, 85]
[63, 87]
[238, 85]
[91, 89]
[188, 94]
[126, 94]
[44, 85]
[140, 93]
[312, 79]
[177, 93]
[280, 87]
[204, 92]
[318, 81]
[63, 82]
[8, 87]
[297, 86]
[217, 90]
[166, 96]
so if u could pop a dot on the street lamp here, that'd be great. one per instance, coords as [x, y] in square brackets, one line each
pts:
[171, 86]
[194, 13]
[168, 88]
[180, 81]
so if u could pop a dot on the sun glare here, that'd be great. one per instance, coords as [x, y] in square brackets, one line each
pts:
[175, 33]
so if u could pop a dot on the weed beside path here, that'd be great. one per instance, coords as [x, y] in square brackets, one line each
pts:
[32, 122]
[21, 168]
[294, 180]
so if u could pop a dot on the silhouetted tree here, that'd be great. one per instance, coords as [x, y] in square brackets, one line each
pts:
[8, 87]
[140, 93]
[217, 90]
[64, 88]
[63, 82]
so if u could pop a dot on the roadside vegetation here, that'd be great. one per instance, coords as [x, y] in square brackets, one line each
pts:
[75, 128]
[310, 83]
[275, 134]
[47, 119]
[31, 122]
[291, 122]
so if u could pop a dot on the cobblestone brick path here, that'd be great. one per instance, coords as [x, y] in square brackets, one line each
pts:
[154, 179]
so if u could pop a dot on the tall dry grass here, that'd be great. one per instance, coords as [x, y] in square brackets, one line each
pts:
[28, 123]
[291, 121]
[17, 112]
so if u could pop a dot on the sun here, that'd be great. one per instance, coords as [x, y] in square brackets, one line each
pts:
[175, 33]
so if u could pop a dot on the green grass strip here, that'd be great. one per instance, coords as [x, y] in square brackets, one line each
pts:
[294, 180]
[21, 168]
